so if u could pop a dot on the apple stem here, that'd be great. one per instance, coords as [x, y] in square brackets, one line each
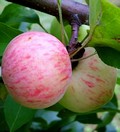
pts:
[74, 44]
[75, 24]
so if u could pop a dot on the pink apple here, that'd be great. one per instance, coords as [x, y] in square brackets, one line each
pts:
[36, 69]
[92, 84]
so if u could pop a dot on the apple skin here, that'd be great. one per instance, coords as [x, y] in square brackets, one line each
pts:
[92, 84]
[36, 69]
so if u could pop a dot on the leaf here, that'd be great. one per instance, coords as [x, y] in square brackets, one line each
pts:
[3, 91]
[114, 101]
[45, 21]
[16, 115]
[6, 35]
[65, 117]
[2, 5]
[61, 21]
[83, 32]
[95, 12]
[55, 107]
[104, 31]
[88, 118]
[57, 33]
[105, 21]
[13, 15]
[87, 1]
[3, 124]
[118, 81]
[65, 113]
[107, 118]
[109, 55]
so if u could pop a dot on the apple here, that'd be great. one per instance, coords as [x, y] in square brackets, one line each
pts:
[92, 84]
[36, 69]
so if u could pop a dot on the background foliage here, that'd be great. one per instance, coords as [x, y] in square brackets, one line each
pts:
[15, 19]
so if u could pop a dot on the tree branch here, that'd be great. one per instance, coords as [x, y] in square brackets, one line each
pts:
[69, 7]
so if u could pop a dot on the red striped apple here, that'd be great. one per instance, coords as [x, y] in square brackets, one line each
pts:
[36, 69]
[92, 84]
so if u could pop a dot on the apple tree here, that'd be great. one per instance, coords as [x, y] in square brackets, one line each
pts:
[59, 65]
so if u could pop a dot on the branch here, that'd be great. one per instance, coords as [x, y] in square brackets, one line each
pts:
[69, 7]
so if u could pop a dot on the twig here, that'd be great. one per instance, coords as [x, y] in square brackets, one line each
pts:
[75, 24]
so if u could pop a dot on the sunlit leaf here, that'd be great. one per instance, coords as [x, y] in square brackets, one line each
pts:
[56, 30]
[95, 13]
[105, 31]
[105, 21]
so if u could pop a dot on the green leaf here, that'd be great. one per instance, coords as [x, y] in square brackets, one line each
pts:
[65, 117]
[3, 91]
[57, 33]
[3, 3]
[118, 81]
[3, 124]
[114, 100]
[109, 55]
[87, 1]
[65, 113]
[83, 32]
[61, 21]
[105, 31]
[13, 15]
[88, 118]
[16, 115]
[6, 35]
[45, 20]
[95, 12]
[107, 118]
[55, 107]
[104, 24]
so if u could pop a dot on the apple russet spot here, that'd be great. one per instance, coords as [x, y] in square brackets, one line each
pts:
[92, 84]
[36, 69]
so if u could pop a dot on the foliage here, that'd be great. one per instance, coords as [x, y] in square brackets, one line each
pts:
[16, 19]
[105, 31]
